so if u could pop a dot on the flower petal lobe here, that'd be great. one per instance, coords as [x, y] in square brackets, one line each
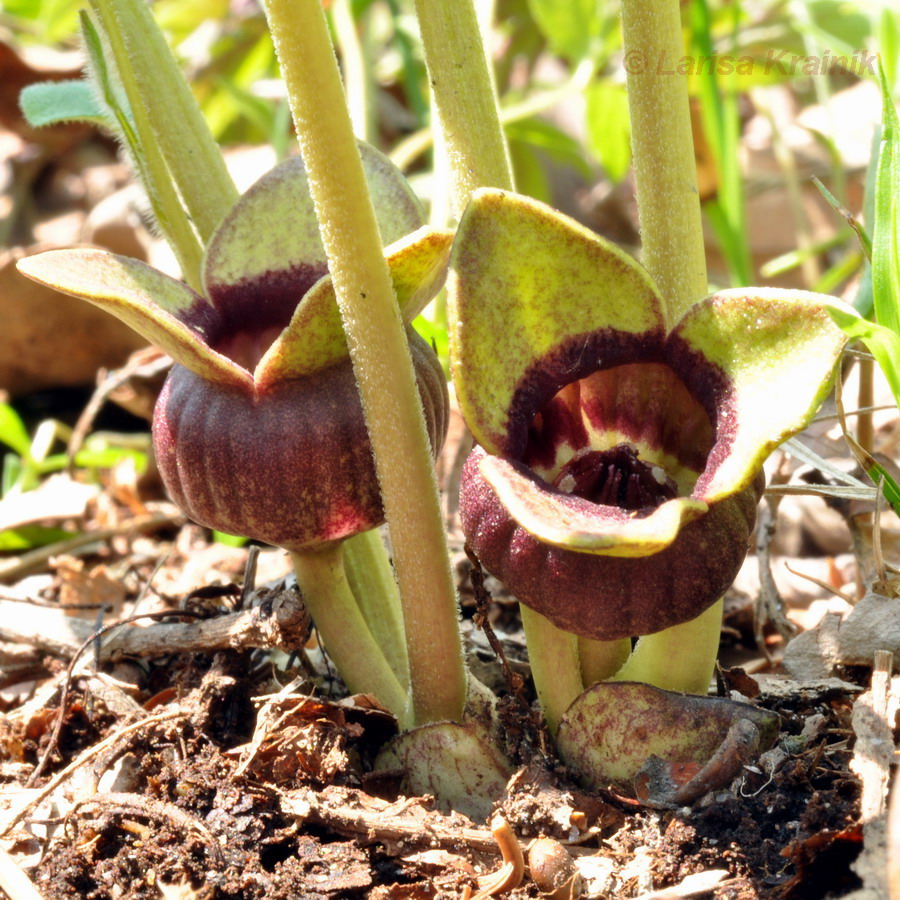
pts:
[525, 282]
[164, 311]
[315, 338]
[761, 361]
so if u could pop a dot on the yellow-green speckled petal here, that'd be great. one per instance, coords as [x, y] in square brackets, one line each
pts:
[315, 338]
[535, 301]
[164, 311]
[761, 361]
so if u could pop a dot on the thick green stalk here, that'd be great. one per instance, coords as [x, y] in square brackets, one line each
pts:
[464, 96]
[327, 594]
[380, 355]
[553, 654]
[372, 581]
[663, 148]
[195, 162]
[674, 254]
[681, 658]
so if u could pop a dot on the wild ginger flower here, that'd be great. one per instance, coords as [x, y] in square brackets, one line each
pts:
[259, 430]
[616, 482]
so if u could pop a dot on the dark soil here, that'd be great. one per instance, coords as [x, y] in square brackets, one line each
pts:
[213, 799]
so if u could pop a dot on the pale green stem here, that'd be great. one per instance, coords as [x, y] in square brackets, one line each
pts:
[343, 630]
[405, 153]
[372, 581]
[600, 660]
[380, 355]
[357, 76]
[681, 658]
[194, 160]
[464, 97]
[664, 166]
[553, 654]
[674, 254]
[147, 157]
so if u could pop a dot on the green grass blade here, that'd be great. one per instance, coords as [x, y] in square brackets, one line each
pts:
[886, 240]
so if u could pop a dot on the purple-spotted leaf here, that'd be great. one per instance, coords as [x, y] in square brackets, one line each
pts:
[267, 252]
[612, 729]
[459, 764]
[775, 351]
[164, 311]
[315, 337]
[571, 522]
[537, 301]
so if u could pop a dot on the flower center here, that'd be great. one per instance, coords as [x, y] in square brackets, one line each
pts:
[616, 477]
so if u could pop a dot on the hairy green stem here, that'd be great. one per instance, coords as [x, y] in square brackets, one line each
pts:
[662, 144]
[343, 630]
[553, 654]
[380, 355]
[465, 98]
[372, 581]
[681, 658]
[195, 161]
[600, 660]
[674, 253]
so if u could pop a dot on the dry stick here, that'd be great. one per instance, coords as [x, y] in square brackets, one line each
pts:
[14, 882]
[380, 355]
[348, 811]
[278, 623]
[86, 757]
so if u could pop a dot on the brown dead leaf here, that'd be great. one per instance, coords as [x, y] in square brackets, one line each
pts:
[90, 589]
[51, 340]
[17, 73]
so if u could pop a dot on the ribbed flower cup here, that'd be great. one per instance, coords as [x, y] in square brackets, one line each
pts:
[259, 430]
[618, 472]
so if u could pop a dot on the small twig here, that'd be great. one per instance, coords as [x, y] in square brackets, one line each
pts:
[822, 584]
[770, 607]
[89, 754]
[137, 364]
[14, 882]
[514, 683]
[350, 811]
[249, 578]
[67, 682]
[280, 621]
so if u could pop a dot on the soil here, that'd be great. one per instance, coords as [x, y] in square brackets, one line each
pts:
[241, 778]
